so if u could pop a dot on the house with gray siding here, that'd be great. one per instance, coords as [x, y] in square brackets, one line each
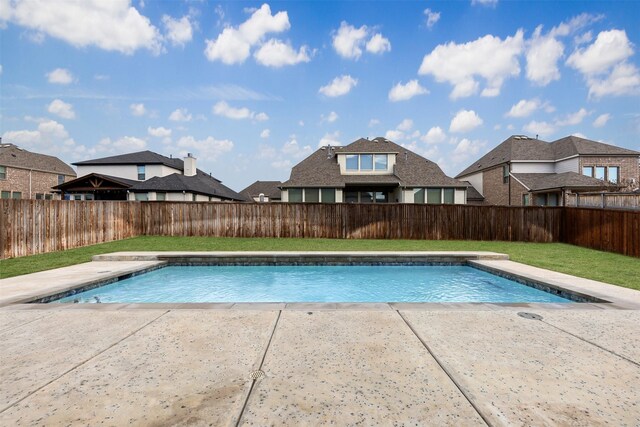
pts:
[523, 171]
[371, 171]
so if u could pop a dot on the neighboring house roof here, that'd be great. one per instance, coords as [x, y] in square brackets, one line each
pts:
[473, 194]
[271, 189]
[86, 182]
[567, 180]
[519, 147]
[201, 183]
[13, 156]
[321, 168]
[138, 158]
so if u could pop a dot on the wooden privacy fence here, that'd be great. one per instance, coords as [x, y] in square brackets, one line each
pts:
[605, 200]
[38, 226]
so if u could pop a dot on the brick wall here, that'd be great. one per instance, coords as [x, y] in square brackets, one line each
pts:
[41, 182]
[494, 191]
[629, 167]
[517, 190]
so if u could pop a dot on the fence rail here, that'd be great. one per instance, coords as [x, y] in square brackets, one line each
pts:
[38, 226]
[605, 200]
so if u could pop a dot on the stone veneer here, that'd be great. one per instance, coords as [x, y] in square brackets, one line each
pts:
[41, 182]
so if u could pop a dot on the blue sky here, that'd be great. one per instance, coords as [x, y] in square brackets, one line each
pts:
[252, 88]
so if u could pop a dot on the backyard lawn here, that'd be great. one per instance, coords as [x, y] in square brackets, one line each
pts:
[602, 266]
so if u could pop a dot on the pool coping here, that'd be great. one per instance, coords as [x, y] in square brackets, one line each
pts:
[111, 267]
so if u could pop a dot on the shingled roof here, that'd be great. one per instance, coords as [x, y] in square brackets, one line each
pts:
[138, 158]
[566, 180]
[520, 147]
[268, 188]
[201, 183]
[321, 168]
[13, 156]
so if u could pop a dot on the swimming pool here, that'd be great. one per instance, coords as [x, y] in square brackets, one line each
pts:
[315, 283]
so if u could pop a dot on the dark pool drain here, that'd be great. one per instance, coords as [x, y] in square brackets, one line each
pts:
[256, 375]
[531, 316]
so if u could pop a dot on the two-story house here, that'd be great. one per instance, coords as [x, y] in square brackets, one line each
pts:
[27, 175]
[371, 171]
[145, 175]
[525, 171]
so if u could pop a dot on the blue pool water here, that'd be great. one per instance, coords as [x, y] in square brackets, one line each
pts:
[315, 284]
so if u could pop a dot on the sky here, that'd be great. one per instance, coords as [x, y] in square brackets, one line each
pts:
[252, 88]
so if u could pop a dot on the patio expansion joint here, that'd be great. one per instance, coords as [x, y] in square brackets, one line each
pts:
[253, 381]
[31, 393]
[3, 331]
[446, 371]
[591, 342]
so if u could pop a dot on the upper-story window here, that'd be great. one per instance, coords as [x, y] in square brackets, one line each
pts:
[505, 174]
[587, 170]
[367, 162]
[60, 179]
[141, 174]
[3, 172]
[613, 174]
[601, 172]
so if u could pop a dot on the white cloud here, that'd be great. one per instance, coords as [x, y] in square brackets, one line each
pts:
[180, 115]
[543, 53]
[160, 132]
[61, 109]
[402, 92]
[610, 48]
[374, 122]
[378, 44]
[225, 110]
[281, 164]
[406, 125]
[601, 120]
[209, 148]
[113, 25]
[178, 31]
[292, 149]
[339, 86]
[233, 45]
[491, 3]
[60, 76]
[137, 109]
[50, 137]
[573, 118]
[265, 133]
[435, 135]
[488, 57]
[330, 139]
[331, 117]
[524, 108]
[539, 128]
[394, 135]
[466, 149]
[126, 143]
[465, 121]
[623, 80]
[275, 53]
[432, 17]
[583, 38]
[348, 41]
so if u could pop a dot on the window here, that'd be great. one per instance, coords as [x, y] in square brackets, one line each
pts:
[140, 197]
[525, 200]
[89, 196]
[295, 195]
[418, 195]
[312, 195]
[351, 197]
[434, 196]
[141, 174]
[48, 196]
[5, 195]
[587, 170]
[3, 172]
[16, 195]
[39, 196]
[381, 197]
[600, 172]
[614, 173]
[194, 197]
[540, 200]
[161, 196]
[77, 197]
[505, 174]
[60, 179]
[366, 162]
[352, 162]
[449, 194]
[328, 195]
[552, 199]
[380, 162]
[366, 197]
[261, 197]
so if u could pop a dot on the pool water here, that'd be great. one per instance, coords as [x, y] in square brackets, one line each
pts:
[410, 283]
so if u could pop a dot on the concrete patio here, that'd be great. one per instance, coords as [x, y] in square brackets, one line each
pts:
[315, 364]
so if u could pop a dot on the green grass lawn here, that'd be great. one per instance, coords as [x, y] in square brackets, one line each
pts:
[603, 266]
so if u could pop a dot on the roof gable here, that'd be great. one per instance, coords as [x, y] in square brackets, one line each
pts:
[13, 156]
[137, 158]
[268, 188]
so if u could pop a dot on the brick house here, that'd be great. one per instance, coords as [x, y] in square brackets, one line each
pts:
[27, 175]
[371, 171]
[528, 171]
[146, 175]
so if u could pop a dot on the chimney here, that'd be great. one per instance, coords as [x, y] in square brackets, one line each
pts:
[189, 165]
